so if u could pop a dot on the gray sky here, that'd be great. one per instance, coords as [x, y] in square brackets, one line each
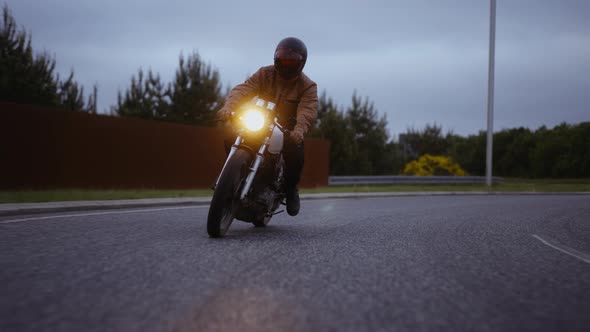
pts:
[419, 61]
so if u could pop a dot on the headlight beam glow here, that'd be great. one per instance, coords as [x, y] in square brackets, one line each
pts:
[253, 120]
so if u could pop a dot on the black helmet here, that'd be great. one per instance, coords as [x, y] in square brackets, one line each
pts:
[290, 57]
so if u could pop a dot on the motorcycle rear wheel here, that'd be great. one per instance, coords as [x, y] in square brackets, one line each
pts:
[226, 196]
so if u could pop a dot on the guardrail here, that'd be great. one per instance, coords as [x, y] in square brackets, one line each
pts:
[404, 179]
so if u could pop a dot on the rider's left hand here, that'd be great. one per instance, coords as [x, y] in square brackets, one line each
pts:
[297, 136]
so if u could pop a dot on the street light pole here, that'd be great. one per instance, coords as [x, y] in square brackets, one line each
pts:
[490, 136]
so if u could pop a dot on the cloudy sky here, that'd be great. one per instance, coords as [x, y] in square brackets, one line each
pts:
[419, 61]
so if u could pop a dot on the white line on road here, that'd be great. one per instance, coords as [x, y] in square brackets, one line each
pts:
[99, 213]
[566, 250]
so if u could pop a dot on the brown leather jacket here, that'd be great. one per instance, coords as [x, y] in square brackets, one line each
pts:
[297, 100]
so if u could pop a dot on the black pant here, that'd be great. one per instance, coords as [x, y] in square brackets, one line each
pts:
[293, 155]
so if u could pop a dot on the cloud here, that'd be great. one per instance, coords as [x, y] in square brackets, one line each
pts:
[419, 61]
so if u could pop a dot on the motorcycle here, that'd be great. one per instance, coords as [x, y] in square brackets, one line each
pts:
[250, 185]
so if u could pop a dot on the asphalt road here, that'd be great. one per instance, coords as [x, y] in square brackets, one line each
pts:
[456, 263]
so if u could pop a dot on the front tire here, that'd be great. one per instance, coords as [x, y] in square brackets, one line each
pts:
[262, 222]
[226, 196]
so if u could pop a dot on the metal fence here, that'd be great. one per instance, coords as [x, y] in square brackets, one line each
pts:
[46, 148]
[403, 179]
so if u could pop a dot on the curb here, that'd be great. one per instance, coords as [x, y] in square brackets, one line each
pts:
[72, 206]
[51, 207]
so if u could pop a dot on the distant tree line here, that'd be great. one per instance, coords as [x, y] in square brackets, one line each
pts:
[360, 143]
[560, 152]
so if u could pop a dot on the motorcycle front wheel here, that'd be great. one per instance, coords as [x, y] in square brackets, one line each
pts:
[226, 196]
[262, 222]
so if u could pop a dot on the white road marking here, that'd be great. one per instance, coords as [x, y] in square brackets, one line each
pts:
[100, 213]
[10, 221]
[566, 250]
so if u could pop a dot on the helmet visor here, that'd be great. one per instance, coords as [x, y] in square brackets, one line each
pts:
[284, 53]
[288, 63]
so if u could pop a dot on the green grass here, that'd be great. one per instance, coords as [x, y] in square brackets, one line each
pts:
[509, 185]
[32, 196]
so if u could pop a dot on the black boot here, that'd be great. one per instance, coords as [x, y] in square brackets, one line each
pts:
[293, 201]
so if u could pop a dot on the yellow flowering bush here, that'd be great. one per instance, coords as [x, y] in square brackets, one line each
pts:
[433, 165]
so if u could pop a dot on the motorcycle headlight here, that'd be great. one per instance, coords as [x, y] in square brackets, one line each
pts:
[253, 120]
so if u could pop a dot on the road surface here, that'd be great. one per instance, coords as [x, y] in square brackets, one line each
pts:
[454, 263]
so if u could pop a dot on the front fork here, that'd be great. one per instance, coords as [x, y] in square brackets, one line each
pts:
[254, 169]
[255, 165]
[232, 151]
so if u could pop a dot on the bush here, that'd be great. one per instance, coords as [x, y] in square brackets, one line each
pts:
[433, 165]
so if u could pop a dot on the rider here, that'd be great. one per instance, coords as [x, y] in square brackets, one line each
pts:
[296, 97]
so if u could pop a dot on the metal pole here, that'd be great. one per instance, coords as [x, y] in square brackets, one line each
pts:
[490, 136]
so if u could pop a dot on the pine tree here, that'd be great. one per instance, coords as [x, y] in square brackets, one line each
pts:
[429, 140]
[193, 98]
[92, 99]
[332, 125]
[24, 76]
[30, 78]
[146, 99]
[370, 133]
[196, 92]
[71, 95]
